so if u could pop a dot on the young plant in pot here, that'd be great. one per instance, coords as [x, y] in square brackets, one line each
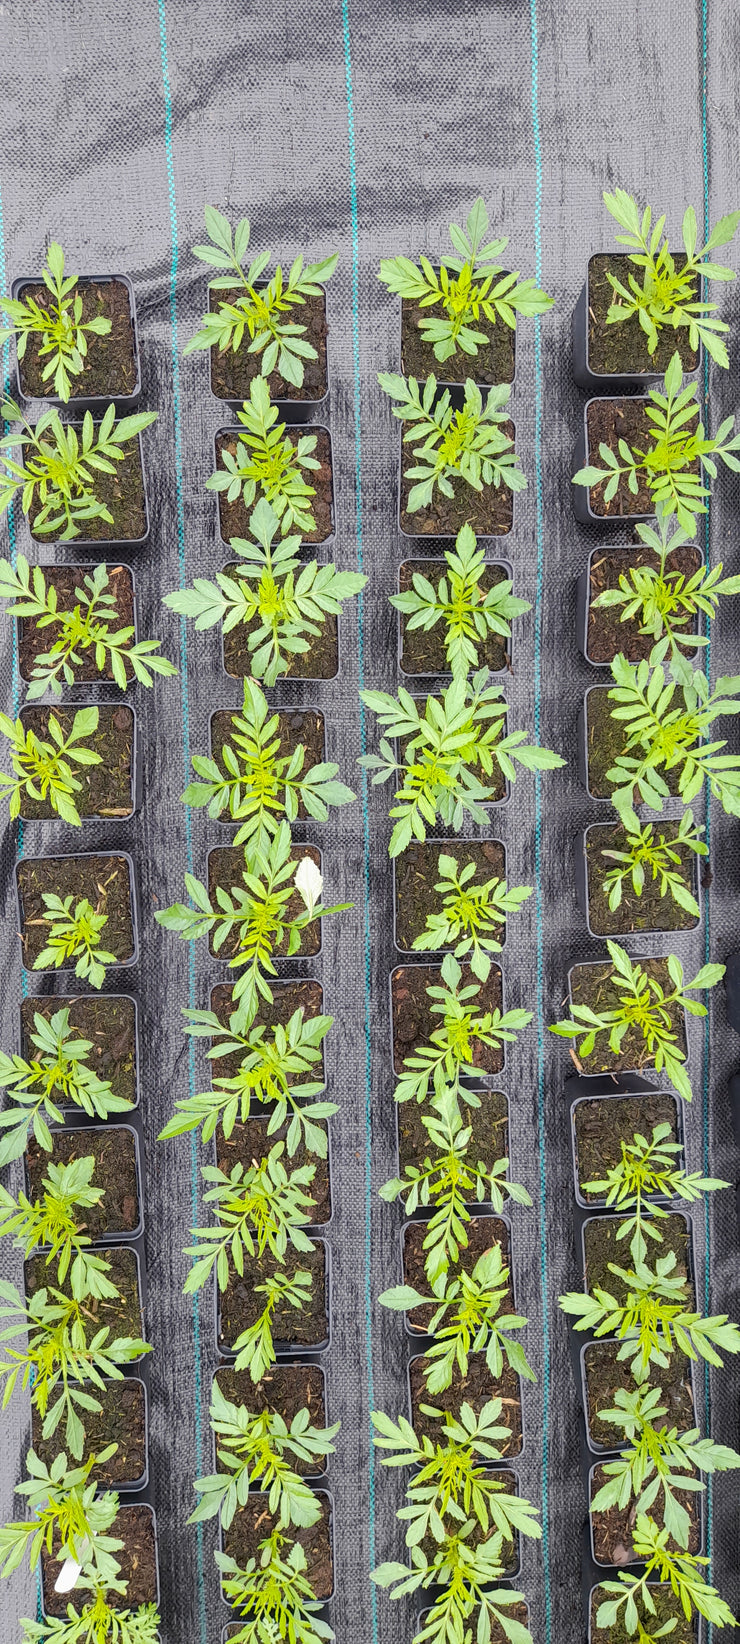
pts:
[56, 1072]
[77, 765]
[651, 883]
[56, 322]
[652, 1321]
[84, 612]
[93, 900]
[254, 328]
[649, 455]
[453, 1048]
[445, 747]
[467, 1318]
[50, 1219]
[469, 1577]
[268, 459]
[472, 604]
[474, 304]
[281, 604]
[466, 469]
[274, 1593]
[631, 1602]
[647, 1172]
[472, 917]
[627, 324]
[260, 1451]
[67, 477]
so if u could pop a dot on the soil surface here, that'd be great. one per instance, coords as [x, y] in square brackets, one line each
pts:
[613, 349]
[254, 1522]
[606, 738]
[104, 880]
[416, 874]
[490, 512]
[667, 1606]
[475, 1388]
[232, 373]
[122, 1314]
[287, 997]
[234, 516]
[591, 985]
[109, 1024]
[121, 1421]
[225, 869]
[241, 1306]
[493, 363]
[64, 579]
[613, 1527]
[109, 367]
[483, 1233]
[284, 1389]
[489, 1124]
[603, 1124]
[121, 492]
[296, 726]
[249, 1142]
[424, 653]
[320, 661]
[413, 1021]
[137, 1557]
[607, 634]
[609, 421]
[605, 1373]
[105, 789]
[602, 1247]
[510, 1551]
[647, 912]
[113, 1149]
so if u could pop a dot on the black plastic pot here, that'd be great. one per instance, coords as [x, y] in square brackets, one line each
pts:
[581, 493]
[478, 1206]
[120, 964]
[133, 1486]
[225, 818]
[598, 1203]
[418, 1335]
[281, 958]
[284, 679]
[623, 935]
[596, 1634]
[263, 1120]
[405, 456]
[136, 1246]
[130, 1234]
[233, 432]
[602, 1073]
[506, 1461]
[119, 545]
[593, 1445]
[601, 1563]
[481, 1077]
[76, 1116]
[450, 846]
[683, 1215]
[311, 1477]
[327, 1497]
[73, 1596]
[487, 804]
[288, 1349]
[137, 771]
[583, 588]
[456, 389]
[124, 403]
[84, 570]
[446, 674]
[594, 382]
[299, 411]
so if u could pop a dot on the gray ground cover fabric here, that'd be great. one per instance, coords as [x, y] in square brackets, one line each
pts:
[442, 106]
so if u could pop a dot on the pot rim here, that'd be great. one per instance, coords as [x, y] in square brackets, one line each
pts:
[99, 683]
[303, 428]
[445, 674]
[90, 402]
[436, 264]
[624, 376]
[72, 1109]
[602, 520]
[66, 970]
[606, 1341]
[482, 1215]
[506, 1461]
[304, 958]
[585, 578]
[121, 544]
[451, 536]
[289, 679]
[321, 1491]
[126, 1506]
[225, 819]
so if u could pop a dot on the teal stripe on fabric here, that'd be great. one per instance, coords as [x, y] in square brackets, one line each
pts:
[185, 726]
[707, 816]
[539, 519]
[365, 811]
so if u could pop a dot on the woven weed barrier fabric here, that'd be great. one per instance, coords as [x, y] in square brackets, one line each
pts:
[368, 128]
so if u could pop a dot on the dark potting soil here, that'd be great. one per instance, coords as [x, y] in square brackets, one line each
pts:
[284, 1390]
[241, 1306]
[424, 652]
[667, 1607]
[233, 373]
[320, 661]
[225, 869]
[490, 512]
[254, 1522]
[109, 368]
[287, 998]
[482, 1231]
[121, 1421]
[417, 871]
[249, 1142]
[613, 349]
[121, 492]
[606, 738]
[605, 1373]
[607, 635]
[510, 1554]
[602, 1247]
[476, 1387]
[122, 1313]
[609, 421]
[489, 1124]
[105, 789]
[649, 911]
[113, 1150]
[234, 516]
[108, 1024]
[493, 363]
[104, 880]
[134, 1526]
[592, 985]
[613, 1527]
[296, 726]
[64, 579]
[603, 1124]
[413, 1021]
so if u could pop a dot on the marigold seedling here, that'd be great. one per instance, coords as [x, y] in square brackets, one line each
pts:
[97, 1623]
[656, 858]
[58, 465]
[44, 770]
[258, 1451]
[75, 932]
[268, 465]
[682, 1570]
[59, 325]
[68, 1517]
[466, 445]
[448, 1057]
[53, 1221]
[263, 1208]
[468, 1576]
[653, 1321]
[274, 1593]
[467, 614]
[472, 916]
[467, 1319]
[255, 1347]
[662, 734]
[60, 1070]
[657, 1462]
[666, 294]
[647, 1169]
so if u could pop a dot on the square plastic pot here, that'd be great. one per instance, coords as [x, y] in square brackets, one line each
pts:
[280, 958]
[623, 935]
[594, 382]
[626, 1071]
[136, 1246]
[446, 674]
[453, 843]
[506, 1461]
[137, 770]
[124, 403]
[488, 804]
[596, 1634]
[130, 1234]
[289, 679]
[405, 455]
[76, 1116]
[132, 1486]
[602, 1564]
[583, 588]
[283, 1350]
[684, 1215]
[456, 390]
[592, 1205]
[299, 411]
[233, 432]
[83, 684]
[480, 1216]
[581, 493]
[596, 1448]
[263, 1120]
[313, 1477]
[225, 819]
[120, 964]
[481, 1077]
[118, 545]
[327, 1497]
[147, 1507]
